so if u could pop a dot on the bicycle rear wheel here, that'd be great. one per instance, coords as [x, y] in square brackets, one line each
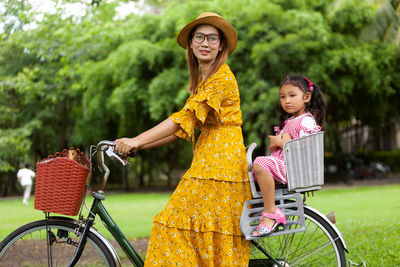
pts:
[27, 246]
[318, 245]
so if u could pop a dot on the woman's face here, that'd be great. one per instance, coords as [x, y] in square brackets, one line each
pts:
[205, 43]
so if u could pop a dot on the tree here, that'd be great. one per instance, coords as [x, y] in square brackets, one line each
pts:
[73, 81]
[385, 23]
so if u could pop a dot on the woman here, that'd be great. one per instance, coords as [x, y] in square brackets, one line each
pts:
[200, 224]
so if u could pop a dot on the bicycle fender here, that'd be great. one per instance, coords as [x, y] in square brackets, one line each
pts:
[330, 223]
[96, 233]
[108, 244]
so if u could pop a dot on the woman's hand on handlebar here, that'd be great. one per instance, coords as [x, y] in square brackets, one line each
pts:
[127, 145]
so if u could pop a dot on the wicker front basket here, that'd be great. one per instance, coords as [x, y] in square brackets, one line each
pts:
[60, 185]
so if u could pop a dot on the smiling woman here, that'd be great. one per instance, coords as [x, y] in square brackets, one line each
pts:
[199, 226]
[205, 46]
[227, 40]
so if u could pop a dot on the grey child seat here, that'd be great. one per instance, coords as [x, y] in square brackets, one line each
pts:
[304, 158]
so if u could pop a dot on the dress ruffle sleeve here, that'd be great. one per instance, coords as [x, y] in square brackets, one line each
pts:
[186, 121]
[208, 98]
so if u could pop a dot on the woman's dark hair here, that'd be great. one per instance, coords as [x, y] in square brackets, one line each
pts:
[316, 106]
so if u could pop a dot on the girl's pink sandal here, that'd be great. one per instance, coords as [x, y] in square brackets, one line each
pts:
[262, 229]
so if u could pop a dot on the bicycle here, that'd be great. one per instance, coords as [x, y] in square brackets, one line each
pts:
[61, 241]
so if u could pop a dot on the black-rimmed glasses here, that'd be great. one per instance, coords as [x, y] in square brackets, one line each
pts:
[199, 37]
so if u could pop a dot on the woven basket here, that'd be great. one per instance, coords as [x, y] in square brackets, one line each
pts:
[60, 183]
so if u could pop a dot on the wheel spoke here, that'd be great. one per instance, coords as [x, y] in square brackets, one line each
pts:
[304, 241]
[318, 245]
[27, 246]
[311, 252]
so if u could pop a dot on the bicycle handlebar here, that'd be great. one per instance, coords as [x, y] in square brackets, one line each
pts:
[108, 147]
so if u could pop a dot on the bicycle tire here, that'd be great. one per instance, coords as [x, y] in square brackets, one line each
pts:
[27, 246]
[319, 245]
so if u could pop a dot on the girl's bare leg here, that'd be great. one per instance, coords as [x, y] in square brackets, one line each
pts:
[267, 187]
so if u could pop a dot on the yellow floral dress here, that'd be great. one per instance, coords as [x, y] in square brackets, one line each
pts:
[199, 226]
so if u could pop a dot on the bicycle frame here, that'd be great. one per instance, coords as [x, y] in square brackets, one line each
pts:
[99, 209]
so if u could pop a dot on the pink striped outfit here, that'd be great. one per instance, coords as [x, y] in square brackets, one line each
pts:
[297, 127]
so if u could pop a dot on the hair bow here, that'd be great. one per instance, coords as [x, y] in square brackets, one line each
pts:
[310, 84]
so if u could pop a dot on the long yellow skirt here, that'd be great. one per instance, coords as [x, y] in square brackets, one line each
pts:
[199, 226]
[171, 246]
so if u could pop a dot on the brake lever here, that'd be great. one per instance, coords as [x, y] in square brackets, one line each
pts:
[114, 156]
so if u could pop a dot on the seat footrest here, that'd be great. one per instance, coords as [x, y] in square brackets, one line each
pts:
[291, 205]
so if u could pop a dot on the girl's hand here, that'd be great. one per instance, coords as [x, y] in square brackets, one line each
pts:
[127, 145]
[273, 142]
[277, 141]
[285, 137]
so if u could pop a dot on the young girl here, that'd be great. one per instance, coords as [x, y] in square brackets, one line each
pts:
[302, 113]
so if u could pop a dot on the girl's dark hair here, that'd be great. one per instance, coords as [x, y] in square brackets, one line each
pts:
[317, 104]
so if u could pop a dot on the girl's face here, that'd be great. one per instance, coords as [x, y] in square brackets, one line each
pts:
[293, 99]
[206, 43]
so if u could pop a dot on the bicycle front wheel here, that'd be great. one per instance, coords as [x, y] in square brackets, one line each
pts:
[318, 245]
[28, 246]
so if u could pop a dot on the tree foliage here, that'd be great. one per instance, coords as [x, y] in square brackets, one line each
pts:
[73, 81]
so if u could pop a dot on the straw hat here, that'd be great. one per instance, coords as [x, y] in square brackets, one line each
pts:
[215, 20]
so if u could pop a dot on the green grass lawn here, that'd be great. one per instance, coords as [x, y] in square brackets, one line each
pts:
[368, 218]
[133, 213]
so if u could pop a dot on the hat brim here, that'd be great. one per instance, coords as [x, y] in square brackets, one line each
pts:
[214, 20]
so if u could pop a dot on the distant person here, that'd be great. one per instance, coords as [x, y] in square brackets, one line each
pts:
[25, 176]
[302, 113]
